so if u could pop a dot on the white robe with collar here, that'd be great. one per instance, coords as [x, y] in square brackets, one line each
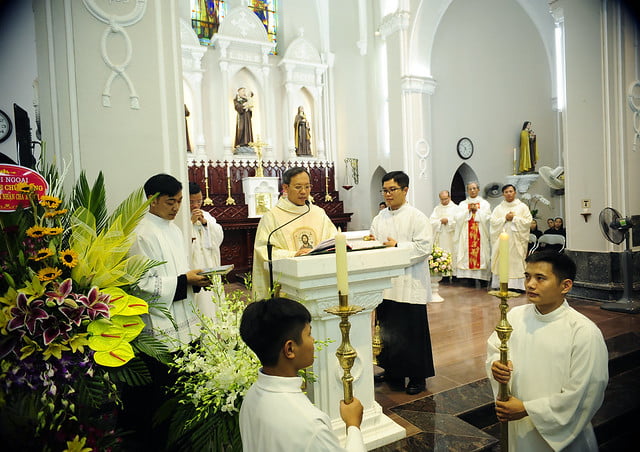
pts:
[162, 240]
[277, 416]
[443, 234]
[560, 372]
[205, 253]
[411, 229]
[461, 239]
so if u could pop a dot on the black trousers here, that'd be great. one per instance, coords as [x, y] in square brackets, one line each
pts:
[406, 344]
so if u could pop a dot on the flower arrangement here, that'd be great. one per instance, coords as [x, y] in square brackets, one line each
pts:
[213, 378]
[440, 262]
[69, 327]
[532, 201]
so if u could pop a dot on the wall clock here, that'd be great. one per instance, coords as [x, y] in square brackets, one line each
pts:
[5, 126]
[465, 148]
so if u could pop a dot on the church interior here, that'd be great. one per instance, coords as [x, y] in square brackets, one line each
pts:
[352, 90]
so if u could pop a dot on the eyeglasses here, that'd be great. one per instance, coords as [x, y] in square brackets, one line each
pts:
[392, 190]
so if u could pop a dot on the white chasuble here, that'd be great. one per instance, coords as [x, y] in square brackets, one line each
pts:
[305, 232]
[473, 252]
[162, 240]
[560, 372]
[411, 229]
[205, 253]
[518, 229]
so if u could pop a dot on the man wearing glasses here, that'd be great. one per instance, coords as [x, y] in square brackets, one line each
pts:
[406, 344]
[294, 239]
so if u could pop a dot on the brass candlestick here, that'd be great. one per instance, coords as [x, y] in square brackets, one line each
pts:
[327, 196]
[207, 200]
[230, 201]
[376, 342]
[504, 329]
[346, 353]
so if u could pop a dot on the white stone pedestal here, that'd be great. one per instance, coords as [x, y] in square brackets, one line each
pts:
[312, 281]
[261, 194]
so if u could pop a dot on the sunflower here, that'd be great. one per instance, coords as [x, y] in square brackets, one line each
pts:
[36, 232]
[49, 273]
[42, 253]
[69, 258]
[50, 202]
[55, 213]
[24, 187]
[53, 231]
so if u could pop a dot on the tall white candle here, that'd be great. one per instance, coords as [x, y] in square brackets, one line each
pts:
[228, 172]
[341, 263]
[503, 258]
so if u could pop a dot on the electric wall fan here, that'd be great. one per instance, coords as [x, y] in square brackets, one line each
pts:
[615, 228]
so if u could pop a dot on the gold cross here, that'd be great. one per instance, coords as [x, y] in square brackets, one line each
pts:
[258, 145]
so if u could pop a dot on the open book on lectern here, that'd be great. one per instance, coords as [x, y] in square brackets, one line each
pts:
[328, 246]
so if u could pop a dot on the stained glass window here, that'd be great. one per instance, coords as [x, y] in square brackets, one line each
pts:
[206, 16]
[266, 12]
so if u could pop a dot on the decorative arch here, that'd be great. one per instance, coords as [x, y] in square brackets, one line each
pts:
[374, 188]
[463, 175]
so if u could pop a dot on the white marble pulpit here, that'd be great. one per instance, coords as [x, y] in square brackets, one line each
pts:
[312, 281]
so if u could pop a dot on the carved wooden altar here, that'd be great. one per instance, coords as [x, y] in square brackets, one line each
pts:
[239, 229]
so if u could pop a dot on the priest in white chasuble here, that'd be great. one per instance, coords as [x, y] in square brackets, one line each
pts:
[443, 222]
[206, 237]
[472, 241]
[513, 217]
[557, 368]
[309, 225]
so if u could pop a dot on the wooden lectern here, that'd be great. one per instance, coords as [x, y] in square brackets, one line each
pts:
[312, 281]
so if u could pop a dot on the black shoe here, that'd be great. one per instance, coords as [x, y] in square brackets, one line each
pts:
[415, 386]
[395, 384]
[379, 378]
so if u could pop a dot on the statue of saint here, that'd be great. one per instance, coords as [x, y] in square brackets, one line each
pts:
[528, 148]
[302, 133]
[187, 113]
[243, 103]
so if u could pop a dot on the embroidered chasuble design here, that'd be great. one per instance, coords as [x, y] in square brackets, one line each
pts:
[474, 243]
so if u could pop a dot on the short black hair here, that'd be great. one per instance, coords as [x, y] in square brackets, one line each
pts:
[267, 324]
[194, 188]
[561, 265]
[505, 186]
[291, 172]
[162, 184]
[399, 176]
[382, 203]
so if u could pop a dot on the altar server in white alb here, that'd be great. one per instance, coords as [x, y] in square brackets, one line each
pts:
[206, 238]
[171, 284]
[275, 414]
[443, 222]
[557, 366]
[406, 344]
[473, 247]
[513, 217]
[310, 227]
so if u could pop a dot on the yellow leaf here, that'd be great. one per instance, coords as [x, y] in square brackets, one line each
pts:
[116, 357]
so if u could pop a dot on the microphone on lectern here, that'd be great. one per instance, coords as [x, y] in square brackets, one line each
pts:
[270, 246]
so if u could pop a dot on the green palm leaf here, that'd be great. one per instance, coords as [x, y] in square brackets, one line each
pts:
[131, 210]
[135, 373]
[92, 198]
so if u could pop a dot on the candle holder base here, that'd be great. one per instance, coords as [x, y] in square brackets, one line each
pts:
[501, 294]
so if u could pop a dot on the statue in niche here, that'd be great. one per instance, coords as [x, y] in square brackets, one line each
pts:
[263, 203]
[187, 113]
[243, 103]
[302, 133]
[528, 149]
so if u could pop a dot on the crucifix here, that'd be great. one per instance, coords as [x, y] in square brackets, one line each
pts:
[258, 145]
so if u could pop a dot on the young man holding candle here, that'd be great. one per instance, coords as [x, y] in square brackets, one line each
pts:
[275, 414]
[513, 217]
[557, 368]
[406, 344]
[310, 221]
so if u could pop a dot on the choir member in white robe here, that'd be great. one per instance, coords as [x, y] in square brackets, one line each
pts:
[206, 238]
[443, 222]
[472, 240]
[513, 217]
[406, 343]
[170, 285]
[275, 414]
[296, 238]
[558, 364]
